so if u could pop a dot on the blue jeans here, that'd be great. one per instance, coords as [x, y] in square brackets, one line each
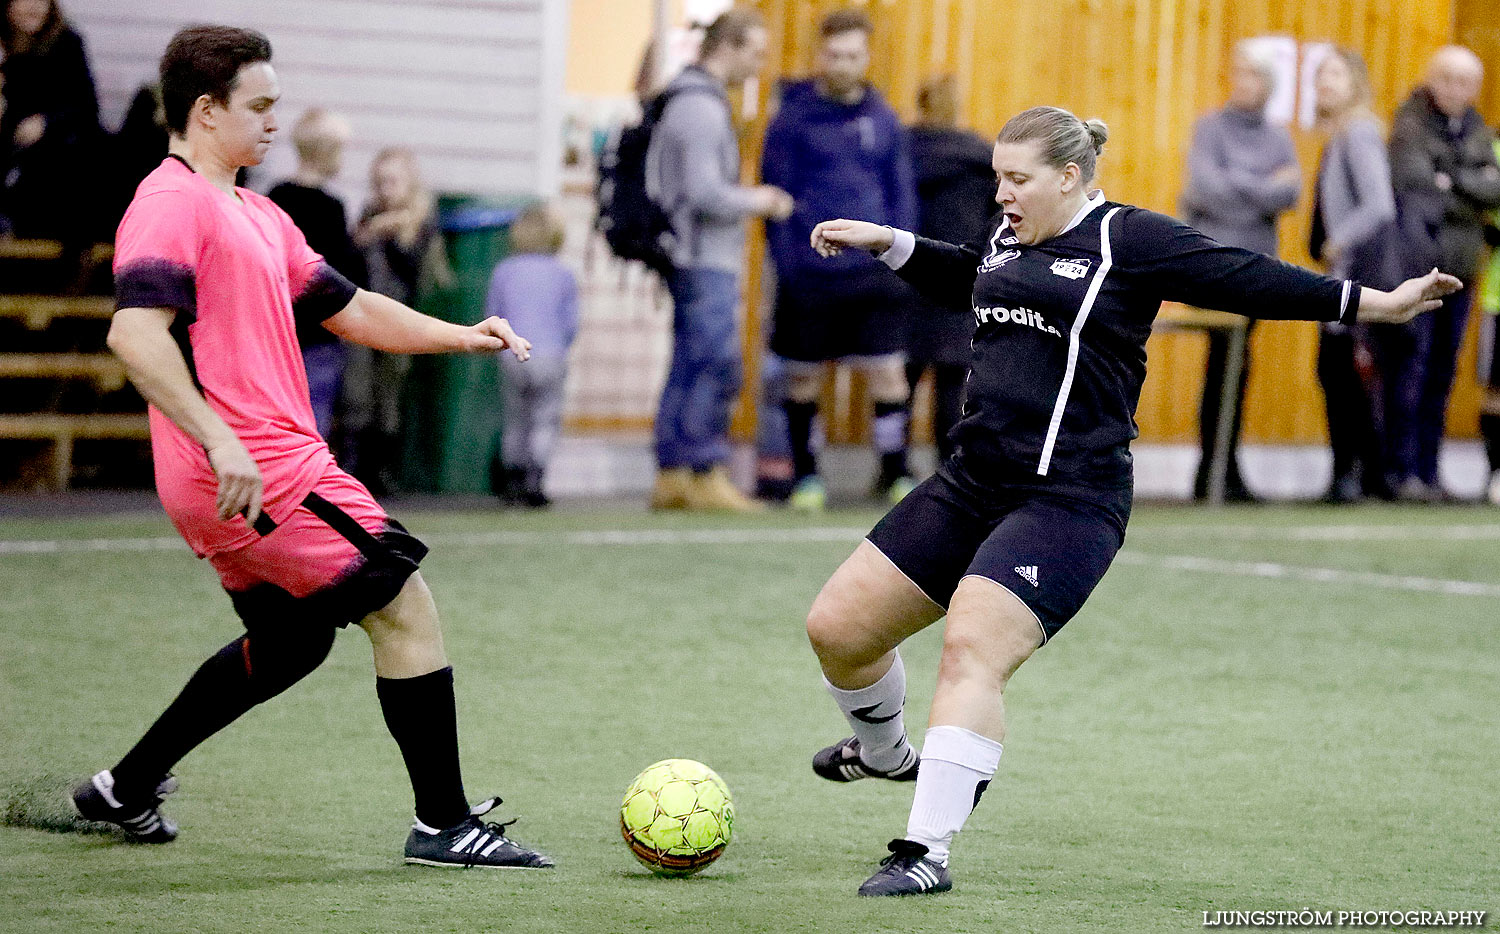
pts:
[692, 423]
[1418, 362]
[325, 375]
[1445, 332]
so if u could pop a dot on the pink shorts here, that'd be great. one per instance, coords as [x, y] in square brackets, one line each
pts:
[338, 555]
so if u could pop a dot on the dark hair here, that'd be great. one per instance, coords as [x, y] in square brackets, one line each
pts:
[1063, 137]
[14, 44]
[732, 27]
[841, 21]
[205, 60]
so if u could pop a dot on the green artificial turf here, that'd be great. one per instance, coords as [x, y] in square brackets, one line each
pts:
[1195, 740]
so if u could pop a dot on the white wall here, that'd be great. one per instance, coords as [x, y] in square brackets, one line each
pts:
[474, 86]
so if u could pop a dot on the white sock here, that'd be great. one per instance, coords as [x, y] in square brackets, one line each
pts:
[956, 765]
[874, 713]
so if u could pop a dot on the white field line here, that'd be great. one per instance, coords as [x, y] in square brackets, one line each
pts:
[1287, 572]
[775, 536]
[1330, 533]
[608, 537]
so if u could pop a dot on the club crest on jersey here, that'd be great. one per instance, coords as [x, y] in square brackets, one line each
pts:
[1071, 268]
[1024, 316]
[996, 260]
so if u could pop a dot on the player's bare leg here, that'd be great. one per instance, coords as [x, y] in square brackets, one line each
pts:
[990, 632]
[405, 634]
[859, 618]
[415, 686]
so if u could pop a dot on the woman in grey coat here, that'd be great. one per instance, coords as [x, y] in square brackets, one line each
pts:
[1242, 175]
[1355, 205]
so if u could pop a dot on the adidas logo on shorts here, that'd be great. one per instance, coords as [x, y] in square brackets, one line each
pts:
[1028, 574]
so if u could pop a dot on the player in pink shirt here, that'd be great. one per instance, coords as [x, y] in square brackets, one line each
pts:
[210, 283]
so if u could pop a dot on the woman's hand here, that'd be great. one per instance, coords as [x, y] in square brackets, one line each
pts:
[1407, 300]
[830, 238]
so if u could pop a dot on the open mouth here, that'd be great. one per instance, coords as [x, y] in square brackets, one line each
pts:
[1013, 217]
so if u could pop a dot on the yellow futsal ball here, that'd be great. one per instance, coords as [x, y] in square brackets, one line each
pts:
[677, 817]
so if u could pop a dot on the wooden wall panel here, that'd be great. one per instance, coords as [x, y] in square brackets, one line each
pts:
[1149, 68]
[1477, 25]
[473, 86]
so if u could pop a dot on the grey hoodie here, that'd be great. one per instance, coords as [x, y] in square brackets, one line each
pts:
[692, 171]
[1231, 194]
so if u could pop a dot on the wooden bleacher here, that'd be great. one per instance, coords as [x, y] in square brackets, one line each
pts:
[63, 430]
[38, 311]
[102, 369]
[57, 358]
[11, 248]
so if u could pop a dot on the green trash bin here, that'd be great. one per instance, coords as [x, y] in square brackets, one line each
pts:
[451, 409]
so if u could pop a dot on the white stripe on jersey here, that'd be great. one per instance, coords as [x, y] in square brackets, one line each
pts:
[1000, 233]
[1106, 260]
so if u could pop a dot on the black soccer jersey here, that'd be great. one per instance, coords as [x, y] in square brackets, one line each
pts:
[1061, 328]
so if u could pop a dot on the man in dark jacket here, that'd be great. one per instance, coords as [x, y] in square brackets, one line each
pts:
[839, 149]
[955, 200]
[1442, 155]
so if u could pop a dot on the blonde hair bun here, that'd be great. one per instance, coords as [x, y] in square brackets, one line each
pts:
[1098, 132]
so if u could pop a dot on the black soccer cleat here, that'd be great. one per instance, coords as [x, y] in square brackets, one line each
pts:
[908, 871]
[95, 800]
[472, 843]
[841, 763]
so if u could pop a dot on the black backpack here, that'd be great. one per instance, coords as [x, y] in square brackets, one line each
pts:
[635, 226]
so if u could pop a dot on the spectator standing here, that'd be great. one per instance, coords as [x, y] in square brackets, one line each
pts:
[840, 150]
[49, 119]
[692, 171]
[398, 234]
[955, 199]
[320, 137]
[1441, 153]
[1355, 205]
[533, 286]
[1489, 355]
[1242, 175]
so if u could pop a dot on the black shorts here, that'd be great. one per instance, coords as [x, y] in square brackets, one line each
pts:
[859, 313]
[368, 583]
[1049, 549]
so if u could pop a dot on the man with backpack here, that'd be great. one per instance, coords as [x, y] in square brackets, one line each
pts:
[692, 175]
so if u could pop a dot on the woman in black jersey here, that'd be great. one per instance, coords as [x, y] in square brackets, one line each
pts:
[1021, 522]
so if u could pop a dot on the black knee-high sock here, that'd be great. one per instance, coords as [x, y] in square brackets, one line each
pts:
[890, 439]
[1489, 429]
[799, 421]
[421, 715]
[247, 671]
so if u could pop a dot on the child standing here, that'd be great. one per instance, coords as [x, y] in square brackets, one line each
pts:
[533, 289]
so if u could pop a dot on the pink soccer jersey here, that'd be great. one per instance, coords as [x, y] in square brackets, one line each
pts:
[237, 271]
